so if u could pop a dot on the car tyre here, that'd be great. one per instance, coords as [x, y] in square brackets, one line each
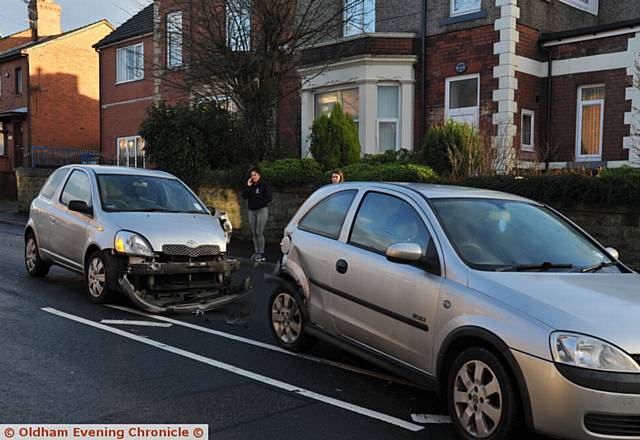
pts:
[288, 320]
[36, 267]
[96, 276]
[481, 397]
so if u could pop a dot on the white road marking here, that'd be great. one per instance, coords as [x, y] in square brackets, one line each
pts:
[430, 419]
[140, 323]
[242, 372]
[268, 346]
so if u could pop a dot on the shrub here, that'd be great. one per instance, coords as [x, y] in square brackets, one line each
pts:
[334, 140]
[188, 140]
[392, 156]
[389, 172]
[455, 149]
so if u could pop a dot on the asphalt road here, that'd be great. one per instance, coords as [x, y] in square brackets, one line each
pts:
[60, 364]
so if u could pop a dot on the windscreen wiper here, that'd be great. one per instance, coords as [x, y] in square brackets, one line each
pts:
[540, 267]
[597, 267]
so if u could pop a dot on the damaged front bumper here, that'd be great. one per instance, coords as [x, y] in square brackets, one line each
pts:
[181, 287]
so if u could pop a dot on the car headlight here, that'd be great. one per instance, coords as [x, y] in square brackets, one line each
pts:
[587, 352]
[132, 244]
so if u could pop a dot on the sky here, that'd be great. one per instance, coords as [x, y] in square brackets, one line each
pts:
[75, 13]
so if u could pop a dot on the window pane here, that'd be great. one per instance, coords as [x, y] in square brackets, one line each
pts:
[384, 220]
[77, 188]
[592, 93]
[174, 39]
[387, 136]
[131, 63]
[122, 65]
[49, 188]
[349, 100]
[2, 150]
[327, 217]
[526, 129]
[239, 25]
[122, 152]
[465, 5]
[591, 129]
[463, 93]
[139, 66]
[388, 102]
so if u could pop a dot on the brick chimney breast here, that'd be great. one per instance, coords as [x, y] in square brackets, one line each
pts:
[44, 18]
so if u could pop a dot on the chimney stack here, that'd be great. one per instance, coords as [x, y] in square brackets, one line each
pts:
[44, 18]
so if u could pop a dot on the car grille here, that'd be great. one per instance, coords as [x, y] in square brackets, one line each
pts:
[193, 252]
[622, 426]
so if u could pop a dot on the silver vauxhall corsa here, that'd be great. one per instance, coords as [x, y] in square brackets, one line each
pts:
[515, 315]
[144, 233]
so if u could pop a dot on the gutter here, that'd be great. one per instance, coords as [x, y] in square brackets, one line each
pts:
[549, 106]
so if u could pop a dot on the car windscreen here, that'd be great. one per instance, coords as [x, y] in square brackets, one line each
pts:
[131, 193]
[509, 235]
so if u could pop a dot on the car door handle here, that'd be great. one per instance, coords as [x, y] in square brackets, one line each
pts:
[53, 219]
[342, 266]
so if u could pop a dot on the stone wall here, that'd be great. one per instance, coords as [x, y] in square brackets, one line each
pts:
[29, 182]
[618, 227]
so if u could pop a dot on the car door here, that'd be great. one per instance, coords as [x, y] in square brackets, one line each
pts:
[315, 246]
[41, 210]
[68, 227]
[387, 306]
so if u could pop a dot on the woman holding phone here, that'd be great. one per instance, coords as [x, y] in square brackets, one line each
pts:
[259, 196]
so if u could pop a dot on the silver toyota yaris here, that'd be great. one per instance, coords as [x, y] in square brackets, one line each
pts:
[515, 315]
[144, 233]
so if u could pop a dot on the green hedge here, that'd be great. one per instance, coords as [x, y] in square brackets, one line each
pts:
[389, 172]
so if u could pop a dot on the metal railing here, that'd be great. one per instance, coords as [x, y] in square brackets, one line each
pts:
[53, 157]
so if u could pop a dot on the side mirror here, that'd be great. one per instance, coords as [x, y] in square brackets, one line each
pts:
[614, 253]
[80, 206]
[404, 252]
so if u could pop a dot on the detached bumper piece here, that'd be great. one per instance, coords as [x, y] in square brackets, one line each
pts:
[182, 285]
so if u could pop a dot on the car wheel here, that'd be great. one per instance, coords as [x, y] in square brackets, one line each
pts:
[481, 397]
[96, 277]
[36, 267]
[287, 319]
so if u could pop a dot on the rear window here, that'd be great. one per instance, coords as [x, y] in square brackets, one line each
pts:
[54, 181]
[327, 217]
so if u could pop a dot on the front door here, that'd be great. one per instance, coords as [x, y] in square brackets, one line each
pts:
[387, 306]
[18, 152]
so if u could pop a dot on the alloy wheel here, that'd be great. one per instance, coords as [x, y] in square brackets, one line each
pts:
[477, 399]
[96, 277]
[286, 318]
[31, 254]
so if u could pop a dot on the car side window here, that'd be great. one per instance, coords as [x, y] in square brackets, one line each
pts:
[327, 217]
[54, 181]
[78, 187]
[383, 220]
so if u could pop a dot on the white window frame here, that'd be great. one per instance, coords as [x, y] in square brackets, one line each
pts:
[454, 13]
[528, 147]
[138, 70]
[238, 18]
[579, 109]
[461, 111]
[135, 157]
[396, 120]
[174, 39]
[359, 17]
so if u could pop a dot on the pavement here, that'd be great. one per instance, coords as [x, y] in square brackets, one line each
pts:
[241, 249]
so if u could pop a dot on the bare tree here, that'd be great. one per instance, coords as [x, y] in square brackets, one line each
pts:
[249, 51]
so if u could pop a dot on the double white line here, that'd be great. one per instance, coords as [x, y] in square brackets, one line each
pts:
[242, 372]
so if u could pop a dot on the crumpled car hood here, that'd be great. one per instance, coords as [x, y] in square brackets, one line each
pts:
[161, 228]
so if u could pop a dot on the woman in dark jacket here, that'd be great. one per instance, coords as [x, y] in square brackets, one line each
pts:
[259, 196]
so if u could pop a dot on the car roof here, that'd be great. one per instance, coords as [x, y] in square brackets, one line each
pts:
[129, 171]
[433, 191]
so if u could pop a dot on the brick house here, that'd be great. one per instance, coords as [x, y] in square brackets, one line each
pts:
[487, 62]
[49, 89]
[127, 87]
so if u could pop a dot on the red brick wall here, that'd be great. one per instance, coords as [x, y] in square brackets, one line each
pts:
[172, 87]
[10, 101]
[15, 40]
[528, 45]
[121, 121]
[564, 101]
[475, 48]
[362, 46]
[530, 96]
[65, 83]
[618, 43]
